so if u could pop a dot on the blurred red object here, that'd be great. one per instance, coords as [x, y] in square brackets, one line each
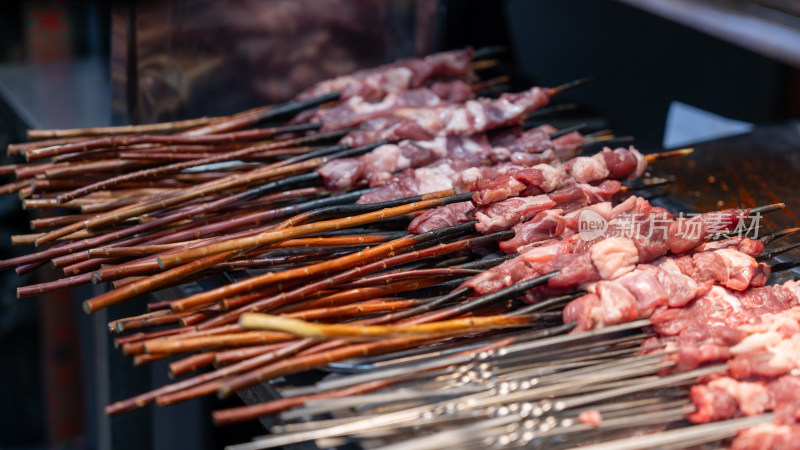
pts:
[48, 30]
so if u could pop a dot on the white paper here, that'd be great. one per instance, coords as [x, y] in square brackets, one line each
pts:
[687, 125]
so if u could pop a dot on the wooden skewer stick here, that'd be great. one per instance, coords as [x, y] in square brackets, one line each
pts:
[210, 187]
[180, 166]
[343, 263]
[301, 328]
[270, 237]
[113, 142]
[652, 157]
[161, 127]
[331, 281]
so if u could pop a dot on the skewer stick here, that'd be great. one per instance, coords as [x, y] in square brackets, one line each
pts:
[161, 127]
[210, 187]
[776, 235]
[127, 141]
[257, 115]
[305, 329]
[180, 166]
[342, 263]
[672, 154]
[143, 399]
[477, 87]
[270, 237]
[484, 64]
[768, 254]
[221, 251]
[571, 85]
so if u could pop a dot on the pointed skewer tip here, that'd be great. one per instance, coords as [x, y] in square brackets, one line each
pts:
[767, 208]
[774, 236]
[671, 154]
[571, 85]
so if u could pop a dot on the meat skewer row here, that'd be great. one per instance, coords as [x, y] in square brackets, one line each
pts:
[543, 178]
[647, 233]
[174, 167]
[107, 238]
[724, 388]
[252, 283]
[353, 111]
[619, 303]
[442, 159]
[46, 237]
[504, 199]
[374, 84]
[343, 116]
[461, 310]
[472, 117]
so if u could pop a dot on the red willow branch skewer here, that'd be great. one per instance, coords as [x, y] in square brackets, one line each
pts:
[151, 264]
[127, 141]
[304, 329]
[344, 262]
[331, 281]
[161, 127]
[206, 388]
[177, 167]
[209, 187]
[229, 248]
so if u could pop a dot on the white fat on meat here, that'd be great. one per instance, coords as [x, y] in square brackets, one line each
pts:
[433, 179]
[458, 121]
[437, 146]
[753, 398]
[614, 257]
[362, 107]
[741, 268]
[726, 306]
[427, 118]
[573, 219]
[470, 176]
[400, 76]
[544, 253]
[472, 146]
[641, 164]
[509, 110]
[554, 177]
[587, 169]
[617, 303]
[383, 161]
[478, 114]
[624, 207]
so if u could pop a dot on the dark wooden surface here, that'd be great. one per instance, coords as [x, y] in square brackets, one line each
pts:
[748, 170]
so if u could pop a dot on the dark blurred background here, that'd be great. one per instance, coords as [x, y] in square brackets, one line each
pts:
[75, 64]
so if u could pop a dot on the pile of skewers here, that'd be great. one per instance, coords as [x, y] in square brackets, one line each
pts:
[501, 283]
